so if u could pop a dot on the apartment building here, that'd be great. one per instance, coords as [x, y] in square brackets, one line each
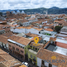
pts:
[31, 52]
[17, 46]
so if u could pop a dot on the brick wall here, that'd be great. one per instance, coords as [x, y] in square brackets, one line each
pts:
[17, 47]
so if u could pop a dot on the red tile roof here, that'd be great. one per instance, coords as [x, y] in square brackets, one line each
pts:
[8, 60]
[47, 55]
[3, 39]
[32, 35]
[63, 45]
[21, 40]
[48, 29]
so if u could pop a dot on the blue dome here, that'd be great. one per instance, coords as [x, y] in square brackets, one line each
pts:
[22, 11]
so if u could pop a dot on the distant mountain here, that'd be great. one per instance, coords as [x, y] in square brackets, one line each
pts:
[38, 10]
[5, 10]
[52, 10]
[56, 10]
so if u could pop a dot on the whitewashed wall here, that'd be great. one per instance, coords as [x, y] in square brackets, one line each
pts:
[54, 66]
[0, 43]
[5, 45]
[18, 30]
[33, 31]
[33, 20]
[46, 64]
[39, 61]
[26, 23]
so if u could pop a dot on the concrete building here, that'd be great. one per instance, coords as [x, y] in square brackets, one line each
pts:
[17, 46]
[31, 52]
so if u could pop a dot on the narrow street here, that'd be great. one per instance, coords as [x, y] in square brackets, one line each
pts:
[30, 64]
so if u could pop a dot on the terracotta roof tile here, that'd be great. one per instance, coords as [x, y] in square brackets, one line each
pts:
[39, 29]
[22, 21]
[32, 35]
[21, 40]
[31, 18]
[8, 34]
[8, 60]
[15, 38]
[3, 21]
[52, 39]
[24, 41]
[1, 59]
[42, 53]
[3, 39]
[24, 27]
[38, 22]
[48, 29]
[60, 21]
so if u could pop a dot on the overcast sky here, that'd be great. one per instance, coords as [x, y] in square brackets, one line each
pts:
[29, 4]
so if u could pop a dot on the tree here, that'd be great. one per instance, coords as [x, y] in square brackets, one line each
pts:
[58, 28]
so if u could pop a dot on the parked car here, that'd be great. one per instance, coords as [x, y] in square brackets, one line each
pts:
[25, 63]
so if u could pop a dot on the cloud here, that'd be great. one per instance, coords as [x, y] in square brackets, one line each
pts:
[29, 4]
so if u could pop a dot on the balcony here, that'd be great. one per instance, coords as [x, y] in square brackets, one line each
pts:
[32, 51]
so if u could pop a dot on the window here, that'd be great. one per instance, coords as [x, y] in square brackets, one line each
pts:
[21, 51]
[33, 48]
[31, 56]
[23, 47]
[35, 58]
[39, 32]
[50, 65]
[42, 62]
[13, 48]
[9, 45]
[17, 49]
[5, 45]
[49, 34]
[36, 49]
[30, 46]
